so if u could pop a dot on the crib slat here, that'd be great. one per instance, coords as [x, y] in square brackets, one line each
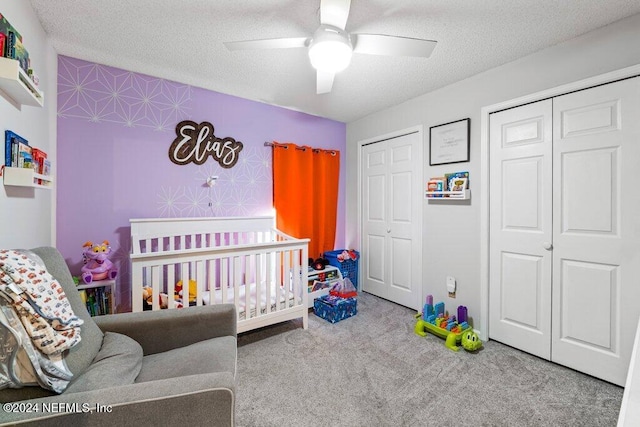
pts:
[287, 277]
[247, 289]
[210, 272]
[224, 278]
[279, 256]
[136, 286]
[184, 276]
[200, 278]
[236, 286]
[297, 296]
[173, 274]
[258, 279]
[268, 279]
[155, 287]
[171, 278]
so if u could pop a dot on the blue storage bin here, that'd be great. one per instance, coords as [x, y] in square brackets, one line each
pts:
[348, 267]
[335, 309]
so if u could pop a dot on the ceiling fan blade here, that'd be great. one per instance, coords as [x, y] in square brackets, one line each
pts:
[334, 12]
[324, 82]
[268, 43]
[379, 44]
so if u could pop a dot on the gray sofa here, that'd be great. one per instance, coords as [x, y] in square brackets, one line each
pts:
[168, 367]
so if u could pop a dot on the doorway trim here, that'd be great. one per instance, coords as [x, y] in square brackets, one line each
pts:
[601, 79]
[394, 134]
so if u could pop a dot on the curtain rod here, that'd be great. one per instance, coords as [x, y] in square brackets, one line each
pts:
[315, 150]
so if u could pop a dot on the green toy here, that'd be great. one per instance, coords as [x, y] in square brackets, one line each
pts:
[471, 341]
[451, 338]
[453, 329]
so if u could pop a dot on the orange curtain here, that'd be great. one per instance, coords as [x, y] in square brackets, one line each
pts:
[305, 194]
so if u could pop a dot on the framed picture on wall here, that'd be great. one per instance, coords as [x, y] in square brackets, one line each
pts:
[449, 142]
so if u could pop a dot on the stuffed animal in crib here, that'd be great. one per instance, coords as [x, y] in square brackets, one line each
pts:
[97, 265]
[147, 296]
[192, 290]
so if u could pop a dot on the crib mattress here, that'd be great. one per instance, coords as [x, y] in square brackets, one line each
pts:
[283, 303]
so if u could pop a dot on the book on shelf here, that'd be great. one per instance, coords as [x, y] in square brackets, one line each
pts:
[12, 36]
[98, 300]
[3, 39]
[11, 143]
[436, 184]
[21, 54]
[23, 158]
[38, 156]
[46, 169]
[10, 45]
[450, 176]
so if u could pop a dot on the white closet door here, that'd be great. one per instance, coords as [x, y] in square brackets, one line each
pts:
[391, 226]
[373, 273]
[520, 227]
[596, 227]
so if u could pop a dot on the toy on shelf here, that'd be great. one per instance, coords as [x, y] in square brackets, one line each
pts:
[97, 265]
[453, 329]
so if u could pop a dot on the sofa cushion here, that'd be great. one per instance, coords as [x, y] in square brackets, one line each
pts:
[209, 356]
[79, 357]
[118, 363]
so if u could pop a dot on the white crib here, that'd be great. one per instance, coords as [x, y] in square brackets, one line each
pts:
[243, 261]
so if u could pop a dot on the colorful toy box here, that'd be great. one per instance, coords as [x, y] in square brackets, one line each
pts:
[335, 309]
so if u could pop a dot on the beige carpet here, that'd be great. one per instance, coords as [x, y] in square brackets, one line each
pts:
[372, 370]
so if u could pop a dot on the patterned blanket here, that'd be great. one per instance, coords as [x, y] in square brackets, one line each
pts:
[39, 324]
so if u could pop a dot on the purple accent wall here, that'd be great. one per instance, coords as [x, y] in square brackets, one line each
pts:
[114, 132]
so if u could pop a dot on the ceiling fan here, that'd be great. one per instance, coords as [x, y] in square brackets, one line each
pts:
[330, 48]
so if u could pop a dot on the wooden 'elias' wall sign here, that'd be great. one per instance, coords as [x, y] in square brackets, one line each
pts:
[196, 142]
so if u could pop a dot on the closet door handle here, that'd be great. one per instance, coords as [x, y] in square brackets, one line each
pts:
[547, 245]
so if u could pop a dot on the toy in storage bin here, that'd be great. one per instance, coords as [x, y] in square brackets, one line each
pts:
[347, 262]
[335, 309]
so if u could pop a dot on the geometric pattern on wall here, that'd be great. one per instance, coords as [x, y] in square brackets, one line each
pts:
[243, 190]
[99, 93]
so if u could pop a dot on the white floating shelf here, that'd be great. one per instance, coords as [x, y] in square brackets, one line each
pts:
[448, 195]
[25, 177]
[17, 85]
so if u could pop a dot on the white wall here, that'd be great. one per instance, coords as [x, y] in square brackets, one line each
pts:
[26, 214]
[451, 230]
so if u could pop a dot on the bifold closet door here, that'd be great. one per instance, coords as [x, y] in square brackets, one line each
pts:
[565, 228]
[596, 267]
[521, 227]
[391, 215]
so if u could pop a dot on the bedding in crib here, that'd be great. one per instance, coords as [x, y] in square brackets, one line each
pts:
[253, 297]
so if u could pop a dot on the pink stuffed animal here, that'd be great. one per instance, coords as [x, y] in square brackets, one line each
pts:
[96, 262]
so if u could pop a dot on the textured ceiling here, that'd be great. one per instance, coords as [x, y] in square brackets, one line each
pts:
[181, 40]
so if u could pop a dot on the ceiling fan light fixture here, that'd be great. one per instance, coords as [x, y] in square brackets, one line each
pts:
[330, 49]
